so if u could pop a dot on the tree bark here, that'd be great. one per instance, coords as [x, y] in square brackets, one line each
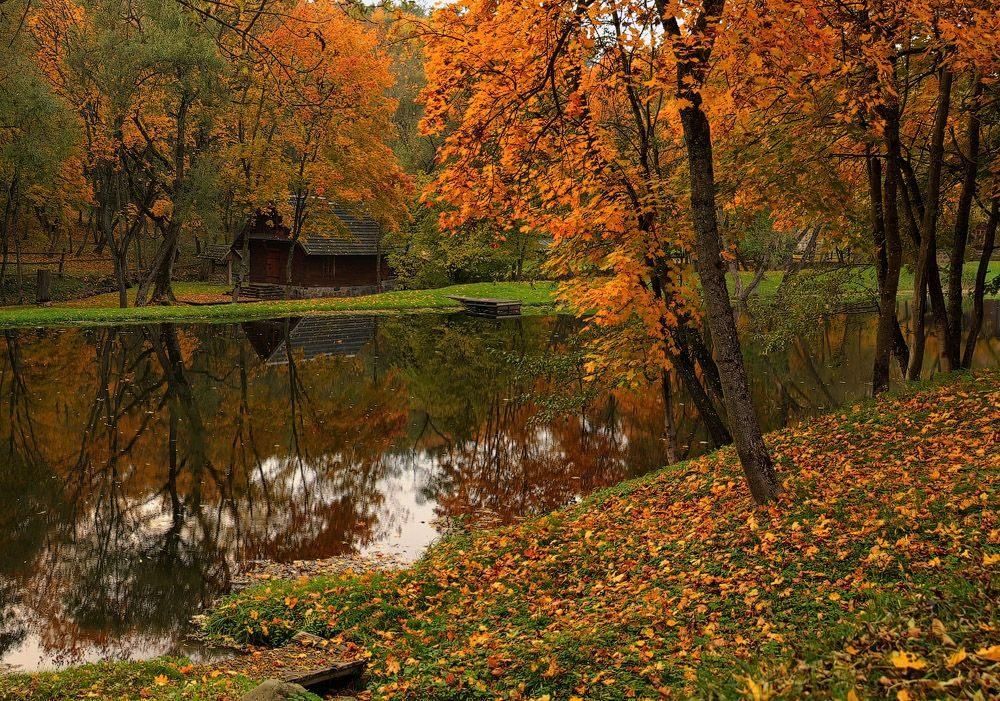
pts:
[684, 363]
[928, 232]
[979, 291]
[899, 348]
[891, 253]
[953, 343]
[757, 466]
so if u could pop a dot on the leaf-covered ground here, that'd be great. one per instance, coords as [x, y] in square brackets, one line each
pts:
[875, 576]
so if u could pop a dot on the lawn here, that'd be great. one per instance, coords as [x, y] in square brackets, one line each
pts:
[161, 680]
[200, 301]
[102, 309]
[866, 279]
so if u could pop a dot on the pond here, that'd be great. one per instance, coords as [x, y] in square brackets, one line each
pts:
[143, 467]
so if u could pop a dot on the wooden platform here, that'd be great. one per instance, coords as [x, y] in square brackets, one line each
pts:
[488, 307]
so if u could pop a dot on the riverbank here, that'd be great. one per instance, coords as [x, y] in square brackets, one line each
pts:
[101, 309]
[209, 302]
[876, 575]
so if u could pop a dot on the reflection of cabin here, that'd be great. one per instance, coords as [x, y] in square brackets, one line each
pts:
[344, 257]
[217, 262]
[309, 337]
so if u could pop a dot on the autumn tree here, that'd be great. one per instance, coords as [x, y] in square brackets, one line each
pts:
[588, 121]
[37, 135]
[311, 123]
[909, 78]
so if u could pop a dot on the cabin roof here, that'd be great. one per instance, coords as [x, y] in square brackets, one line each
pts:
[218, 253]
[349, 232]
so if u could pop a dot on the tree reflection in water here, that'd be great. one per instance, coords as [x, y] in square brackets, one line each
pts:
[143, 465]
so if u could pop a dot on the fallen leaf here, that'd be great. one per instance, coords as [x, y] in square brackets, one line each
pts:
[906, 660]
[956, 657]
[991, 653]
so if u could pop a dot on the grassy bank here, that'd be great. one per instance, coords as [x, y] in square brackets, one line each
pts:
[200, 301]
[99, 310]
[865, 281]
[160, 679]
[875, 576]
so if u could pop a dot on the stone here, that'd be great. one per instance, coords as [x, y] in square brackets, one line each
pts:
[277, 690]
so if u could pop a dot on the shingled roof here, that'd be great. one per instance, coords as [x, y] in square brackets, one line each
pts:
[349, 233]
[218, 253]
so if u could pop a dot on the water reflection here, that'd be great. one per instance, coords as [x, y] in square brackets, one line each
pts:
[140, 466]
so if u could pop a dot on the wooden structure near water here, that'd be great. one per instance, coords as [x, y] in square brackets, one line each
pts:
[490, 308]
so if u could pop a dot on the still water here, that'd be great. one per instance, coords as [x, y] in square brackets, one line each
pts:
[142, 467]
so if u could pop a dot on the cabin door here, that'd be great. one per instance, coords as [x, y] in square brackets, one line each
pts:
[274, 264]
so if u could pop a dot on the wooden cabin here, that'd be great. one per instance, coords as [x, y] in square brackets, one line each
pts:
[216, 261]
[343, 257]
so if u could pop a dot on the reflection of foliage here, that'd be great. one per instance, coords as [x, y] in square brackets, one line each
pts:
[554, 379]
[801, 301]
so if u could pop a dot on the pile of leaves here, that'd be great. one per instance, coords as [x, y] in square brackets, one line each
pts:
[875, 575]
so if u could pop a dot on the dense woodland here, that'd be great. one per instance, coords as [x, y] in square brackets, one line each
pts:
[647, 147]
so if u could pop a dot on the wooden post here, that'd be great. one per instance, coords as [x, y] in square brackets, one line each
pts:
[43, 287]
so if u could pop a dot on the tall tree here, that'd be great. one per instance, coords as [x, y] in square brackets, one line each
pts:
[586, 121]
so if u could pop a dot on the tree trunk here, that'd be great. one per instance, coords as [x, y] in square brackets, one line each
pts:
[684, 364]
[669, 428]
[155, 287]
[928, 230]
[979, 291]
[754, 457]
[890, 255]
[953, 343]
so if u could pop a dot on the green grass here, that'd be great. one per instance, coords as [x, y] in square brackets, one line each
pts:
[92, 311]
[152, 679]
[866, 279]
[103, 309]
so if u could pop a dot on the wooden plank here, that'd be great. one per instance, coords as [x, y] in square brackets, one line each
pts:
[489, 307]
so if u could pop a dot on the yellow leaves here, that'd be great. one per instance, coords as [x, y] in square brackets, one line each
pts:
[161, 680]
[991, 653]
[906, 660]
[392, 665]
[956, 658]
[990, 560]
[758, 692]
